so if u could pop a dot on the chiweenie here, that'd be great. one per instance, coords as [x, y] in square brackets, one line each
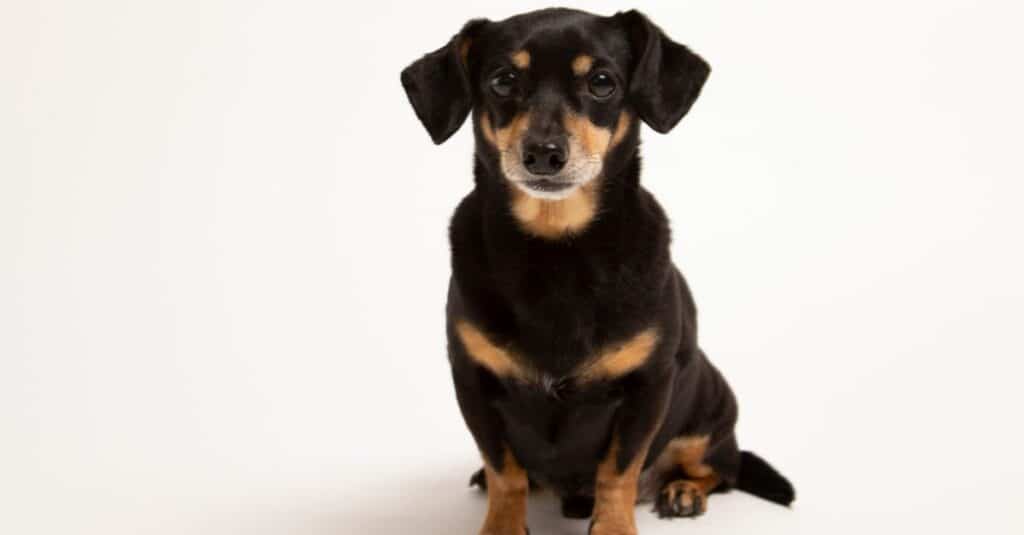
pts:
[572, 336]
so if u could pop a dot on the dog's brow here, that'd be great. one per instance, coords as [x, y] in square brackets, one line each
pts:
[582, 64]
[521, 59]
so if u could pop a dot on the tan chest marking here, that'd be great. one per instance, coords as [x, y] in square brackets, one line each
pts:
[622, 359]
[498, 360]
[608, 364]
[554, 219]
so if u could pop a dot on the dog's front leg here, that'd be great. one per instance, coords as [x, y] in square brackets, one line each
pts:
[637, 421]
[507, 481]
[506, 498]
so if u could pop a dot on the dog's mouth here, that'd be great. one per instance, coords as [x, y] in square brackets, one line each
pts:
[577, 172]
[545, 185]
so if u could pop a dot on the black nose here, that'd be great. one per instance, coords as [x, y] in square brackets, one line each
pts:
[545, 158]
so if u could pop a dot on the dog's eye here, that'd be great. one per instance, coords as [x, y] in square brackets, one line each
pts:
[601, 85]
[504, 84]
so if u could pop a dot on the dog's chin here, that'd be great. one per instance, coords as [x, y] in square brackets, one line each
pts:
[553, 187]
[547, 189]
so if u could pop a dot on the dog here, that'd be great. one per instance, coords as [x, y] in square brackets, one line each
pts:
[572, 337]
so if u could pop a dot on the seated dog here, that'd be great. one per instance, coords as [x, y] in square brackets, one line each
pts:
[572, 336]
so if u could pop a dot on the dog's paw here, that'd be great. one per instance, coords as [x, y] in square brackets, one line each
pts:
[519, 531]
[610, 528]
[479, 480]
[681, 498]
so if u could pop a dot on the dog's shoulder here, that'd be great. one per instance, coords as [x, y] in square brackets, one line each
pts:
[464, 229]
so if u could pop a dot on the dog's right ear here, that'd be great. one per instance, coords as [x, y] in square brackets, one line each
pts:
[438, 84]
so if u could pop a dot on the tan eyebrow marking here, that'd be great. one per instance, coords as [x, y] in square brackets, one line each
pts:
[521, 59]
[620, 360]
[582, 64]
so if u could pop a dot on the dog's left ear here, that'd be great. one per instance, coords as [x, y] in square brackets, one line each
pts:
[667, 77]
[438, 85]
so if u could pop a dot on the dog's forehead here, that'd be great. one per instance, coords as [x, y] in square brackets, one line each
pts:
[556, 36]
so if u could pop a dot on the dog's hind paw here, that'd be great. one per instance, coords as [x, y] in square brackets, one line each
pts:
[681, 498]
[479, 480]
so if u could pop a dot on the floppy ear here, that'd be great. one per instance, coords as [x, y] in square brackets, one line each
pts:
[438, 85]
[667, 76]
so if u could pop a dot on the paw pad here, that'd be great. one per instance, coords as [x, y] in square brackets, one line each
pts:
[681, 499]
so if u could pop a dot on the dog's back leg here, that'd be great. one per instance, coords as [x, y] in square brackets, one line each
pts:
[692, 468]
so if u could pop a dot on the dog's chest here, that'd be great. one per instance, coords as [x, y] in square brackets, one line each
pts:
[560, 434]
[564, 310]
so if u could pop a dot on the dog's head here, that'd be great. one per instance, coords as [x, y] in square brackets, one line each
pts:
[555, 93]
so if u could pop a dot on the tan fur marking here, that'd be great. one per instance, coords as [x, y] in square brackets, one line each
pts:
[691, 494]
[621, 128]
[608, 364]
[594, 139]
[506, 498]
[688, 453]
[499, 361]
[620, 360]
[554, 219]
[542, 218]
[505, 138]
[488, 130]
[615, 494]
[521, 59]
[581, 64]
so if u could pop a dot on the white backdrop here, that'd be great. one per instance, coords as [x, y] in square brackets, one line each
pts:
[223, 263]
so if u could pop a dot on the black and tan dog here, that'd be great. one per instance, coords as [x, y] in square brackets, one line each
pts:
[572, 337]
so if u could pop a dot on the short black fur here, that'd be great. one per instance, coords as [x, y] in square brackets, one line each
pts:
[557, 301]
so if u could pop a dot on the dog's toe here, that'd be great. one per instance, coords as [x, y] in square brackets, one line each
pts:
[681, 498]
